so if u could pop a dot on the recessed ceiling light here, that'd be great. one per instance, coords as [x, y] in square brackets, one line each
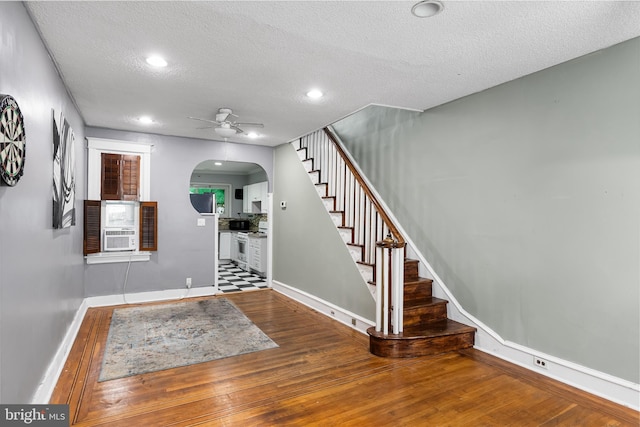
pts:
[156, 61]
[252, 135]
[145, 120]
[427, 8]
[315, 94]
[218, 163]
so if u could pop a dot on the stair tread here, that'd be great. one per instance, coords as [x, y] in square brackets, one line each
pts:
[423, 301]
[438, 328]
[418, 281]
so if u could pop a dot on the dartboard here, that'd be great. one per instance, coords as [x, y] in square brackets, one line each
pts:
[13, 144]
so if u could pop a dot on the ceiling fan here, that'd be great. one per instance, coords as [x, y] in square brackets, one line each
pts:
[224, 125]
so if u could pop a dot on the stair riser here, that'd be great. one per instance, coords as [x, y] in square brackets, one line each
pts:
[421, 316]
[401, 348]
[308, 164]
[417, 290]
[411, 270]
[321, 189]
[356, 252]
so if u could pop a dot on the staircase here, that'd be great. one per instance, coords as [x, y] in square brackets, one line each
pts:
[410, 321]
[427, 330]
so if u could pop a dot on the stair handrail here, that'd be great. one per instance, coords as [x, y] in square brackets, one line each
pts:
[400, 242]
[385, 254]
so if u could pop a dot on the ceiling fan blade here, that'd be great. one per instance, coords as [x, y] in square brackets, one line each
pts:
[204, 120]
[237, 129]
[255, 125]
[206, 127]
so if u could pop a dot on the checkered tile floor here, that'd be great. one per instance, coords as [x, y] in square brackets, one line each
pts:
[233, 279]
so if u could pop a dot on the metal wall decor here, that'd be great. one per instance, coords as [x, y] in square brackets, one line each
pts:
[13, 143]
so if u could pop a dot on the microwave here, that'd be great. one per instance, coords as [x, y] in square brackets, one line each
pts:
[239, 224]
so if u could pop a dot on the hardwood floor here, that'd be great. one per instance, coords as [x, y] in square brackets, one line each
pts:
[322, 374]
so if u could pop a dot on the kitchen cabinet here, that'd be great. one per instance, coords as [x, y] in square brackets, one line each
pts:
[258, 255]
[224, 245]
[234, 246]
[255, 197]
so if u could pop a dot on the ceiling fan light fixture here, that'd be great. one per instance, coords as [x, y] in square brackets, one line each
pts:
[225, 132]
[427, 8]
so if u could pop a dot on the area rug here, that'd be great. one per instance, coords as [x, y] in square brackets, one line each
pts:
[154, 338]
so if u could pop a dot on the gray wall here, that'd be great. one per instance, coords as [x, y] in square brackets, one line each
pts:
[40, 268]
[308, 253]
[184, 250]
[525, 198]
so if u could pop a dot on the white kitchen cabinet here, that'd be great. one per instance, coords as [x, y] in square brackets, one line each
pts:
[255, 197]
[258, 255]
[224, 245]
[234, 246]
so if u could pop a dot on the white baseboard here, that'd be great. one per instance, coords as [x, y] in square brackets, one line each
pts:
[151, 296]
[597, 383]
[48, 383]
[328, 309]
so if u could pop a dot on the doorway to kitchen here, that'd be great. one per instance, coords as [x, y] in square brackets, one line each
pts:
[236, 193]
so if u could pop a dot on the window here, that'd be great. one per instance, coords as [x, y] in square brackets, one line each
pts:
[120, 177]
[102, 217]
[119, 150]
[120, 223]
[211, 198]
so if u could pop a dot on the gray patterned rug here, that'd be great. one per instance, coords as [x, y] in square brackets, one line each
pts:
[158, 337]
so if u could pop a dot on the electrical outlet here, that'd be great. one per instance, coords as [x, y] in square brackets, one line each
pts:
[540, 363]
[188, 282]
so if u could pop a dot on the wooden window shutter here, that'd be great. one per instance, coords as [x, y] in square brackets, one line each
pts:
[120, 177]
[91, 239]
[130, 178]
[110, 177]
[148, 226]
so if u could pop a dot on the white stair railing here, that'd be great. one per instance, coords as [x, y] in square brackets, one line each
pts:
[373, 240]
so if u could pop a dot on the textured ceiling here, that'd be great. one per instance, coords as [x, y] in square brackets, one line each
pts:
[260, 58]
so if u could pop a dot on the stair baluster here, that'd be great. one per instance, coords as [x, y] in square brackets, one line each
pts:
[409, 320]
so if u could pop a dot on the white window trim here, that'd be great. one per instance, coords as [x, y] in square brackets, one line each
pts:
[97, 146]
[124, 256]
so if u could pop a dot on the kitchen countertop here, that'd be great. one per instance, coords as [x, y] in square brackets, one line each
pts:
[253, 234]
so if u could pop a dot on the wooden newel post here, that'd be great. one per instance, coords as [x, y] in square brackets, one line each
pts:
[389, 285]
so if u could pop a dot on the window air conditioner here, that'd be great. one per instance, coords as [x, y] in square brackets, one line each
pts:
[120, 239]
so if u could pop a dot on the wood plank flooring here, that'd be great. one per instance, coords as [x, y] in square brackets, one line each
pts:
[322, 374]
